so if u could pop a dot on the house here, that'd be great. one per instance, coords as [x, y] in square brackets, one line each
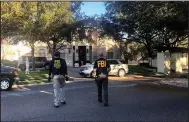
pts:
[76, 53]
[176, 61]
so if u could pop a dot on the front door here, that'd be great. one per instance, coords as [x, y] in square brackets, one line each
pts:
[82, 55]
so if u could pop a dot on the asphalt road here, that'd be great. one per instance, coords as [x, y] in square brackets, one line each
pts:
[128, 102]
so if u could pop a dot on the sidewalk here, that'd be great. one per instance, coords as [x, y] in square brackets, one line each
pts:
[179, 82]
[154, 81]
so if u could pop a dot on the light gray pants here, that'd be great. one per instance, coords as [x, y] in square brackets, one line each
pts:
[59, 90]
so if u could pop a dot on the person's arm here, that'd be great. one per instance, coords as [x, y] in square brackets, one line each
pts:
[65, 68]
[95, 66]
[108, 66]
[50, 70]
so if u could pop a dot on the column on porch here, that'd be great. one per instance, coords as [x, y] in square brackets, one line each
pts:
[160, 62]
[76, 62]
[167, 62]
[177, 63]
[87, 55]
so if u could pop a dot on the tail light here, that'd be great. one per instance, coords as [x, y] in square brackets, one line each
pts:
[15, 73]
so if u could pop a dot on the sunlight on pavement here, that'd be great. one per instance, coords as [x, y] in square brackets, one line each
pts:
[47, 92]
[20, 88]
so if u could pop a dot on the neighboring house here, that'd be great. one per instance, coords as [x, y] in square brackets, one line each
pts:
[83, 52]
[76, 54]
[13, 52]
[177, 61]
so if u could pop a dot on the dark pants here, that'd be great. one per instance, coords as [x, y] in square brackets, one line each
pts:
[104, 83]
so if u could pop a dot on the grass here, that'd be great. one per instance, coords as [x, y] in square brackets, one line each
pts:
[33, 78]
[139, 70]
[144, 71]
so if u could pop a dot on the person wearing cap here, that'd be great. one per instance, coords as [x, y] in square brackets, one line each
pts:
[58, 73]
[102, 68]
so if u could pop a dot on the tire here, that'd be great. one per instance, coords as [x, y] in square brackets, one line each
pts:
[121, 73]
[6, 84]
[22, 67]
[93, 74]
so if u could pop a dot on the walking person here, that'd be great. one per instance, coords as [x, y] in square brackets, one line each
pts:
[58, 71]
[102, 68]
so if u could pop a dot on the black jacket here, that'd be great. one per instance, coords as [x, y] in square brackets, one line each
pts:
[101, 65]
[58, 66]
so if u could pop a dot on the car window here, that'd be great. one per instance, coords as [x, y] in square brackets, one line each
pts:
[37, 58]
[112, 62]
[40, 59]
[123, 61]
[29, 57]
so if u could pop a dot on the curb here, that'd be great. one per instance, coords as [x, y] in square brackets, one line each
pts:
[52, 83]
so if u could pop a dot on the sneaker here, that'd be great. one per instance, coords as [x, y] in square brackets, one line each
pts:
[105, 104]
[64, 102]
[56, 106]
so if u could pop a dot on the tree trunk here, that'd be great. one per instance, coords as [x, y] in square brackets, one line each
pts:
[149, 50]
[125, 53]
[33, 58]
[50, 49]
[54, 49]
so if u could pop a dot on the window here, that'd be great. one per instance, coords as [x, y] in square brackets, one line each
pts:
[123, 61]
[40, 59]
[110, 55]
[112, 62]
[29, 57]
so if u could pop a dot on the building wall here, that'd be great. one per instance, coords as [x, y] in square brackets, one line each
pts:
[41, 50]
[175, 61]
[108, 45]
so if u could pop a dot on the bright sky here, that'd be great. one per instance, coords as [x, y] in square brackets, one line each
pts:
[92, 8]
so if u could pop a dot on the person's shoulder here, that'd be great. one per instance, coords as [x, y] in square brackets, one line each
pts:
[61, 58]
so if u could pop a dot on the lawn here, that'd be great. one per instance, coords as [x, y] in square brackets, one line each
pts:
[140, 70]
[37, 77]
[148, 72]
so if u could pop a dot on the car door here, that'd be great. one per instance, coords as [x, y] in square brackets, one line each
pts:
[37, 62]
[123, 65]
[40, 61]
[114, 65]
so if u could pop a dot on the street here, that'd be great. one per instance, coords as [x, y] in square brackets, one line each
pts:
[127, 102]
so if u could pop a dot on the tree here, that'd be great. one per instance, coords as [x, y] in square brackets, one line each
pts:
[39, 21]
[17, 21]
[11, 19]
[152, 23]
[53, 30]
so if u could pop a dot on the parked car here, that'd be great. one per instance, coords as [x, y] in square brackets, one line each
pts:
[39, 62]
[9, 76]
[118, 68]
[46, 65]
